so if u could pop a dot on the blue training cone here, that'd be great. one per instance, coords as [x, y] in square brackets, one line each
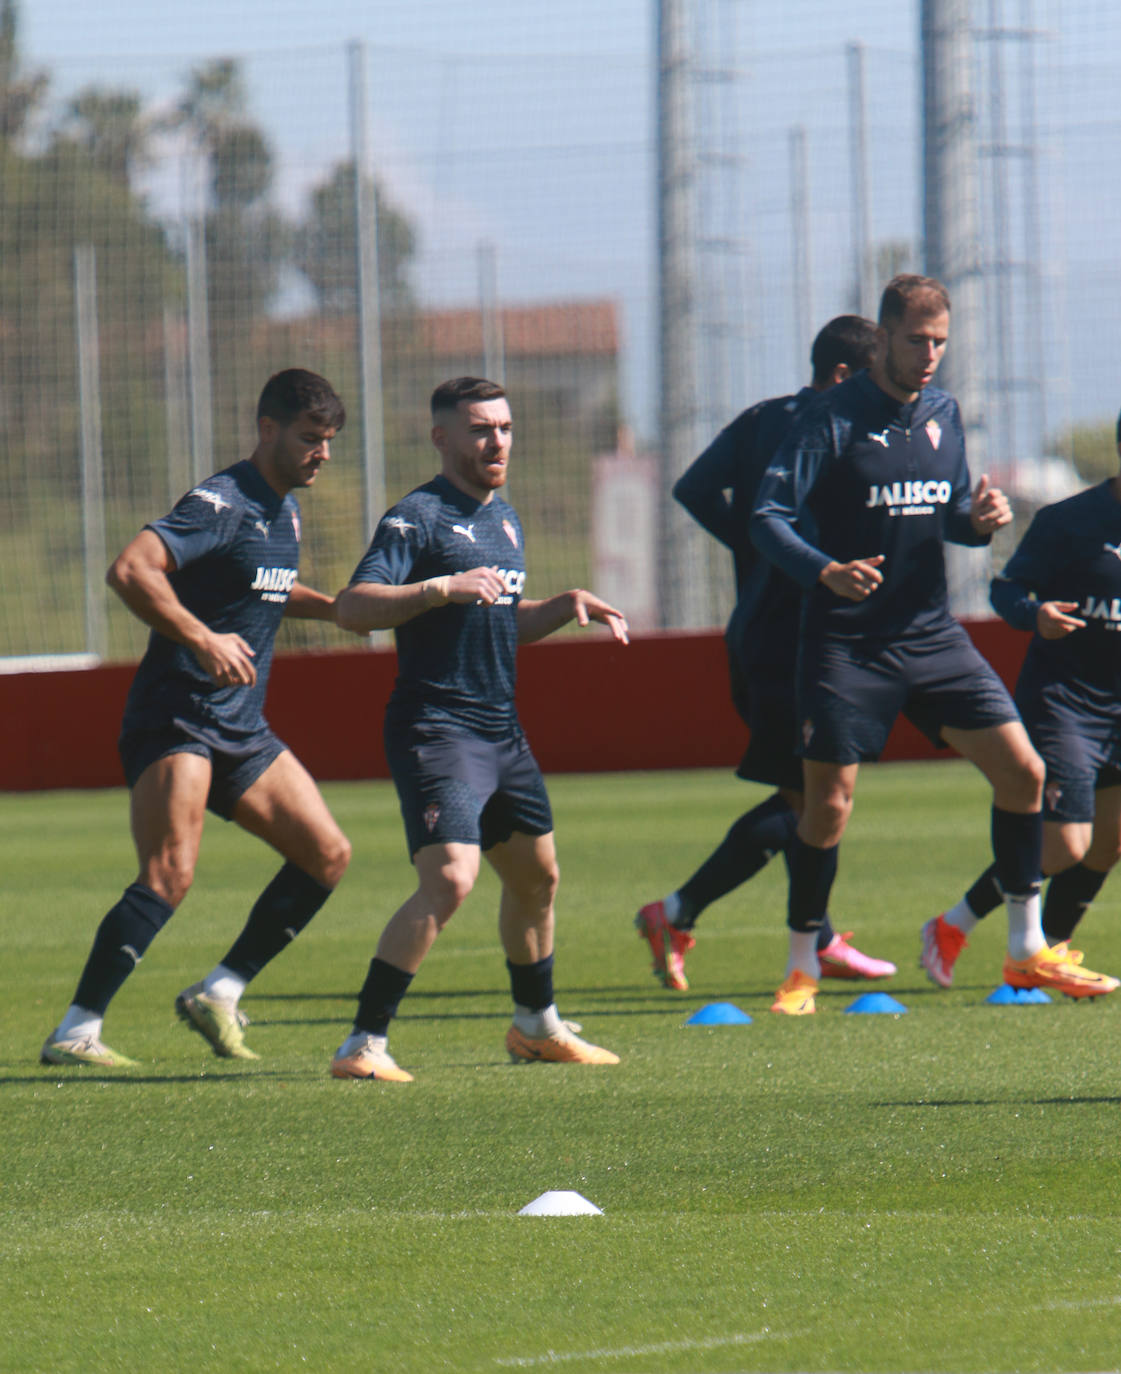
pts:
[876, 1003]
[719, 1014]
[1005, 996]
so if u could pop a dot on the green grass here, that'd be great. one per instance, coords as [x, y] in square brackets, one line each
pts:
[936, 1191]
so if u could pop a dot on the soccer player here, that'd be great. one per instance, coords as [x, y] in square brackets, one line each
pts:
[719, 491]
[212, 579]
[875, 470]
[446, 570]
[1064, 584]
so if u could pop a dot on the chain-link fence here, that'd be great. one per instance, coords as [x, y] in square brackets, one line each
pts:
[172, 231]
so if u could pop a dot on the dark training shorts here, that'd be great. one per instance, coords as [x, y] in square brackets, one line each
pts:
[458, 787]
[764, 699]
[850, 692]
[236, 761]
[1078, 736]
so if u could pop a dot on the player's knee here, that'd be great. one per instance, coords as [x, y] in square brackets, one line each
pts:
[334, 859]
[449, 889]
[1103, 853]
[824, 822]
[1062, 848]
[1036, 773]
[541, 886]
[170, 876]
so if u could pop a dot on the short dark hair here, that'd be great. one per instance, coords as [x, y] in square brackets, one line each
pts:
[449, 394]
[905, 290]
[848, 339]
[289, 394]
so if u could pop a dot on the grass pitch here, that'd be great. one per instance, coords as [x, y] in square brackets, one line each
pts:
[933, 1191]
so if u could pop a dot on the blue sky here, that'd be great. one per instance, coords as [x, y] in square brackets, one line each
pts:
[528, 123]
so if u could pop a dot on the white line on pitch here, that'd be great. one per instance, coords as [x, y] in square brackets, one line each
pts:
[628, 1351]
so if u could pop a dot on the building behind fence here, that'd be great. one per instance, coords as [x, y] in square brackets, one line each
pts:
[171, 233]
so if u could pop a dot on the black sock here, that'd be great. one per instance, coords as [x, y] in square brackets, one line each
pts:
[532, 984]
[812, 872]
[380, 997]
[1017, 849]
[1069, 893]
[750, 843]
[121, 940]
[826, 933]
[985, 895]
[279, 914]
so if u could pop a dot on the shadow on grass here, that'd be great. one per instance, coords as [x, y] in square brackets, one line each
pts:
[626, 991]
[74, 1073]
[936, 1102]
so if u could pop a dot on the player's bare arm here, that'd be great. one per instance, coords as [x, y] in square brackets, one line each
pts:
[854, 581]
[536, 619]
[1056, 619]
[139, 576]
[990, 510]
[305, 603]
[367, 606]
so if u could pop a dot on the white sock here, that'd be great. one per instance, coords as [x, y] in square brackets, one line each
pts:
[672, 905]
[78, 1023]
[538, 1024]
[358, 1039]
[962, 917]
[223, 985]
[803, 954]
[1025, 927]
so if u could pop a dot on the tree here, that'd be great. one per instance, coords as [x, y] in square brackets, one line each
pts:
[20, 92]
[247, 242]
[110, 128]
[326, 246]
[1092, 449]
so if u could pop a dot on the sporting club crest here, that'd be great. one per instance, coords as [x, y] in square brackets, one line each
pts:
[511, 533]
[431, 816]
[934, 433]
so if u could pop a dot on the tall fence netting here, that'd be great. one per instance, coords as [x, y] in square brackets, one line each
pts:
[170, 235]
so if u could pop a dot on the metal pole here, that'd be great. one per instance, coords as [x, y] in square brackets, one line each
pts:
[177, 405]
[198, 352]
[1002, 381]
[369, 296]
[1037, 366]
[952, 227]
[858, 170]
[494, 345]
[800, 244]
[93, 477]
[683, 593]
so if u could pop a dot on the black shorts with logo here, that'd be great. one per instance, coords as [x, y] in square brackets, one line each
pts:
[1077, 731]
[459, 787]
[237, 760]
[850, 692]
[764, 698]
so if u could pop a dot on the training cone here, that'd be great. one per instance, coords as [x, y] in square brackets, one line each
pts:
[562, 1204]
[719, 1014]
[1004, 996]
[876, 1003]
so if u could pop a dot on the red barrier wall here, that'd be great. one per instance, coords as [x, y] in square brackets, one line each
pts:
[587, 704]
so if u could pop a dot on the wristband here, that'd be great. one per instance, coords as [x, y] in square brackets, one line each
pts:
[437, 591]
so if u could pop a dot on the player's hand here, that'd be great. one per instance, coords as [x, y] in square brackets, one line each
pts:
[854, 581]
[1055, 619]
[228, 659]
[990, 508]
[587, 607]
[478, 585]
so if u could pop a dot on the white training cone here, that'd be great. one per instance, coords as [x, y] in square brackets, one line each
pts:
[563, 1204]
